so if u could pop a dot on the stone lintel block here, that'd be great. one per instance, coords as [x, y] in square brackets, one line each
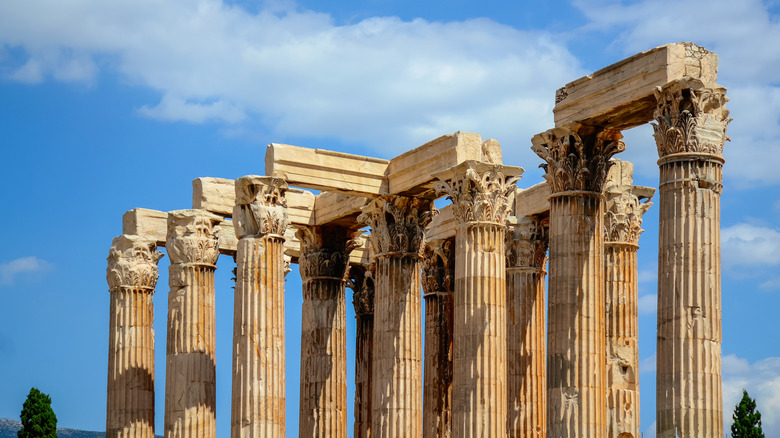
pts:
[324, 170]
[338, 209]
[442, 225]
[621, 96]
[217, 195]
[410, 173]
[151, 224]
[533, 201]
[481, 167]
[300, 206]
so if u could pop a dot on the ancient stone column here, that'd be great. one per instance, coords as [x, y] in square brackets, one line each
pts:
[397, 236]
[132, 276]
[481, 197]
[576, 164]
[323, 265]
[526, 253]
[362, 285]
[622, 227]
[260, 219]
[190, 375]
[438, 280]
[690, 132]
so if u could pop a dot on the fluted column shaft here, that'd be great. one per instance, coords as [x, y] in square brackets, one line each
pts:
[438, 282]
[690, 132]
[323, 266]
[526, 362]
[258, 399]
[625, 206]
[481, 195]
[190, 374]
[576, 164]
[621, 313]
[363, 300]
[397, 227]
[132, 277]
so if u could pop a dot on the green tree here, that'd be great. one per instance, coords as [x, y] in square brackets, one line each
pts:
[38, 419]
[747, 420]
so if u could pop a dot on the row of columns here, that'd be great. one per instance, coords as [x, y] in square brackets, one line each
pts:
[485, 349]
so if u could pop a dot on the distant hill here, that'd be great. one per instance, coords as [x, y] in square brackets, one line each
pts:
[9, 427]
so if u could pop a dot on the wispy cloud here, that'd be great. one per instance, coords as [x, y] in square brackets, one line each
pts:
[762, 381]
[745, 244]
[648, 304]
[383, 82]
[10, 270]
[740, 32]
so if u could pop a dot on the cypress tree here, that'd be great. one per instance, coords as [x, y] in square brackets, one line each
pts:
[38, 419]
[747, 419]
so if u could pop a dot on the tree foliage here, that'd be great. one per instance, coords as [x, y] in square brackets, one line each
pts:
[747, 419]
[38, 419]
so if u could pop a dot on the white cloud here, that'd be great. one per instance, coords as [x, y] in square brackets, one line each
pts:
[750, 245]
[648, 304]
[772, 283]
[648, 364]
[744, 35]
[650, 431]
[9, 270]
[383, 82]
[762, 381]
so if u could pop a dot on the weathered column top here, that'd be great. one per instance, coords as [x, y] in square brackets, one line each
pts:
[438, 268]
[132, 263]
[192, 237]
[479, 191]
[261, 207]
[397, 224]
[526, 243]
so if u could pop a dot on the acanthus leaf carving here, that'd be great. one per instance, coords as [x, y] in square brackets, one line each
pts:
[577, 158]
[325, 251]
[690, 118]
[438, 267]
[623, 216]
[527, 242]
[132, 262]
[479, 192]
[362, 284]
[261, 206]
[192, 237]
[397, 223]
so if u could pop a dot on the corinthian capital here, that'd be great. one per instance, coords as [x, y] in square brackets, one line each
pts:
[132, 262]
[577, 157]
[690, 118]
[623, 216]
[526, 243]
[325, 251]
[397, 223]
[362, 283]
[192, 237]
[261, 206]
[438, 267]
[480, 192]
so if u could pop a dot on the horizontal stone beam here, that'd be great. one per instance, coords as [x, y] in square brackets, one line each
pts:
[442, 225]
[153, 224]
[408, 174]
[217, 195]
[533, 201]
[620, 96]
[324, 170]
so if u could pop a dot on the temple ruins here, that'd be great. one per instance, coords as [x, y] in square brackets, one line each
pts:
[498, 359]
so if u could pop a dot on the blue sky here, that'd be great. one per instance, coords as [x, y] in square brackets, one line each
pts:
[107, 106]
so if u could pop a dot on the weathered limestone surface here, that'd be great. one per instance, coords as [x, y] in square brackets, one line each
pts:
[533, 201]
[397, 227]
[132, 277]
[323, 265]
[217, 195]
[260, 215]
[190, 376]
[438, 284]
[320, 169]
[526, 250]
[621, 95]
[482, 195]
[622, 227]
[576, 164]
[362, 284]
[690, 129]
